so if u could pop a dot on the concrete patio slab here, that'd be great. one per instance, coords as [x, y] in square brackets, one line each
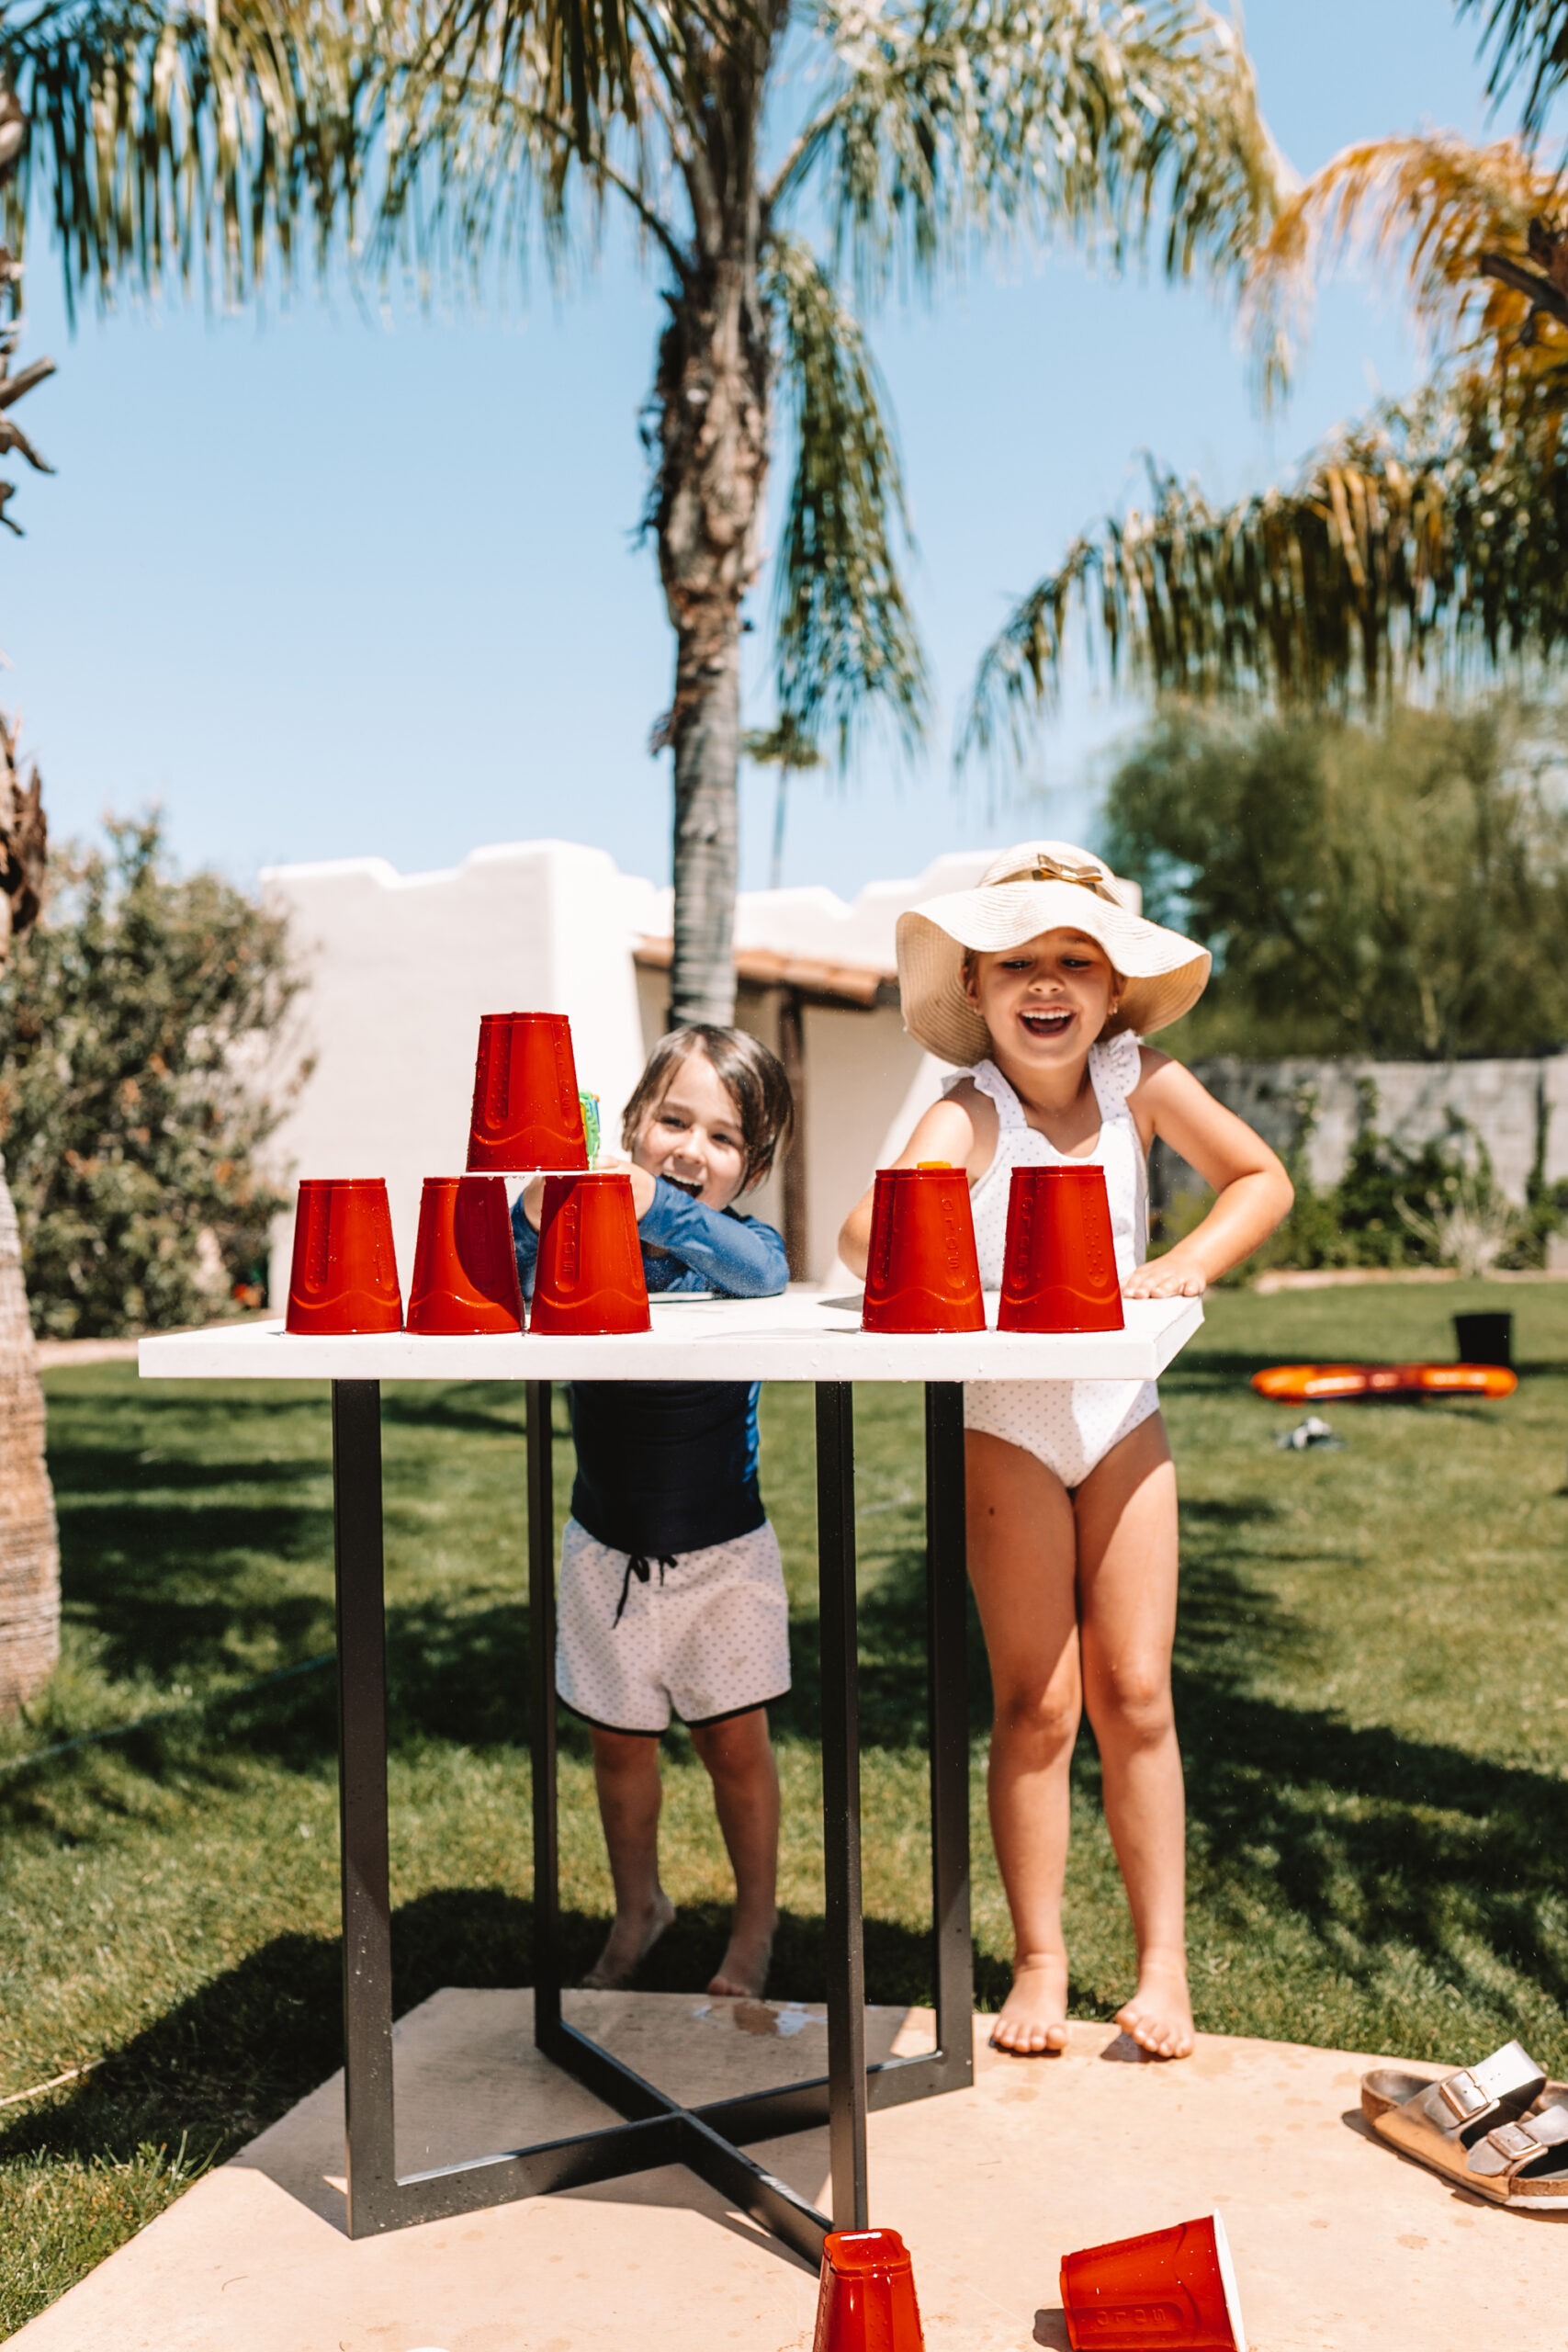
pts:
[1340, 2245]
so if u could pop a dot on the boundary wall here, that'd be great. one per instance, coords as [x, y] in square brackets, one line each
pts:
[1519, 1110]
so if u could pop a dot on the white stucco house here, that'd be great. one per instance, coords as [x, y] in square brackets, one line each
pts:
[400, 968]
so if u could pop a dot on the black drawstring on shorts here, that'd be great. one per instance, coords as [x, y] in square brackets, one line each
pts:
[640, 1568]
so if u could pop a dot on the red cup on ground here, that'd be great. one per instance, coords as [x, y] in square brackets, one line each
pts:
[588, 1276]
[865, 2300]
[464, 1266]
[1059, 1264]
[526, 1114]
[922, 1274]
[344, 1274]
[1175, 2288]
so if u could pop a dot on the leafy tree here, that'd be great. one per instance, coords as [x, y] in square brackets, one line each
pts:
[779, 166]
[1397, 889]
[139, 1036]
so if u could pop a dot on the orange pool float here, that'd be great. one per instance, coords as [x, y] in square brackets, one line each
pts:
[1312, 1384]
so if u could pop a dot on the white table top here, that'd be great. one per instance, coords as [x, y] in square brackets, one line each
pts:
[802, 1335]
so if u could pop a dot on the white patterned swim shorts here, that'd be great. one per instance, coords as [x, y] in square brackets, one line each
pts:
[702, 1635]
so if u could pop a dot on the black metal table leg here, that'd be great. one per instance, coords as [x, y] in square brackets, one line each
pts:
[841, 1803]
[542, 1725]
[948, 1700]
[362, 1798]
[656, 2129]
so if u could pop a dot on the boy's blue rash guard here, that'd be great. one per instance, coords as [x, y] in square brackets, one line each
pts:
[667, 1466]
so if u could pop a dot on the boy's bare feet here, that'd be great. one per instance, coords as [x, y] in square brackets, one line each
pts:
[1159, 2014]
[742, 1974]
[1033, 2020]
[628, 1944]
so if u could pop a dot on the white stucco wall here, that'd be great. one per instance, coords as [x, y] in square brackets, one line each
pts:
[400, 968]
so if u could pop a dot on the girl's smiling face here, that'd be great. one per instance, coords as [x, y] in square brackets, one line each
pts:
[692, 1137]
[1045, 1003]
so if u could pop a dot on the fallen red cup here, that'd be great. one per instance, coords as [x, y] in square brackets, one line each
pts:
[344, 1273]
[589, 1277]
[465, 1263]
[1059, 1262]
[922, 1274]
[865, 2297]
[526, 1114]
[1175, 2288]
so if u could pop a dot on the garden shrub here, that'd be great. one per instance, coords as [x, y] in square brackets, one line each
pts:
[1396, 1205]
[140, 1051]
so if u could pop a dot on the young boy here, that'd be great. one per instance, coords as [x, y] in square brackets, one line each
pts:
[671, 1592]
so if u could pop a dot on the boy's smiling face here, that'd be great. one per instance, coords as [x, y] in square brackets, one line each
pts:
[692, 1137]
[1046, 1001]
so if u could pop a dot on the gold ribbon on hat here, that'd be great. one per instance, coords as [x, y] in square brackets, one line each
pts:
[1045, 868]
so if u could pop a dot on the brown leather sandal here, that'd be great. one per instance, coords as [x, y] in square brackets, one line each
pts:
[1525, 2163]
[1441, 2122]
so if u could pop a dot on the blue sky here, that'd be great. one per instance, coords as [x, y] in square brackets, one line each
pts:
[325, 585]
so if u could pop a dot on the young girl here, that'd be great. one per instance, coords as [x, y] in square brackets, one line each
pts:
[1041, 980]
[671, 1592]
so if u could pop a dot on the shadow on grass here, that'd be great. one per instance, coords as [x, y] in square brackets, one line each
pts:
[1368, 1838]
[228, 2060]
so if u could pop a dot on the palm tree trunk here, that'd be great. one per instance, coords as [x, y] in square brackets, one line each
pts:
[711, 403]
[29, 1551]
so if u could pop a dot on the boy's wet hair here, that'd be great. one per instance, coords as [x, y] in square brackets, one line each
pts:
[754, 1077]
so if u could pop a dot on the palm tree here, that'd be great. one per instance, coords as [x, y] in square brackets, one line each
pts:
[903, 135]
[29, 1554]
[1431, 536]
[780, 170]
[161, 140]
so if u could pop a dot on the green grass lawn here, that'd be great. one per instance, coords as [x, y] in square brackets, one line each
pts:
[1372, 1691]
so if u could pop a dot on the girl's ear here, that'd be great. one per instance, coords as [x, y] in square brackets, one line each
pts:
[971, 978]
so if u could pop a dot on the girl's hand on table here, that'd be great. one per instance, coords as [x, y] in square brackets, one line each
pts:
[1167, 1277]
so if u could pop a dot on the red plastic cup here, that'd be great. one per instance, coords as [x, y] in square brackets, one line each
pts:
[526, 1114]
[588, 1276]
[865, 2300]
[344, 1274]
[1175, 2288]
[923, 1274]
[465, 1267]
[1059, 1264]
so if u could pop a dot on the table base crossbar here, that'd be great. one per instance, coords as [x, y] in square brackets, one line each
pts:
[656, 2129]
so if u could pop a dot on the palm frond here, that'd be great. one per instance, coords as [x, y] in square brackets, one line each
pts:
[1125, 127]
[184, 142]
[845, 635]
[178, 140]
[1432, 538]
[1427, 209]
[1529, 40]
[581, 66]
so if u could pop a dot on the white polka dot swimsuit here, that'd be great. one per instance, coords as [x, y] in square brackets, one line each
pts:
[1068, 1424]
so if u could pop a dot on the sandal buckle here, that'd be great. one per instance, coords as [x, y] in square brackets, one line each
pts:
[1463, 2095]
[1513, 2140]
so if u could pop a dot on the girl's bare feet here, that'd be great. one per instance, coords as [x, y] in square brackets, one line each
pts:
[742, 1974]
[628, 1944]
[1033, 2020]
[1159, 2014]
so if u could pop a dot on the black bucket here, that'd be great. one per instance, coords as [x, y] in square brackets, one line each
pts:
[1484, 1338]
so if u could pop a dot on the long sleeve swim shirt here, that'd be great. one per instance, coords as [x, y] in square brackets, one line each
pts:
[668, 1466]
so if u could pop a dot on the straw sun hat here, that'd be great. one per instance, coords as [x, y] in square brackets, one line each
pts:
[1036, 887]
